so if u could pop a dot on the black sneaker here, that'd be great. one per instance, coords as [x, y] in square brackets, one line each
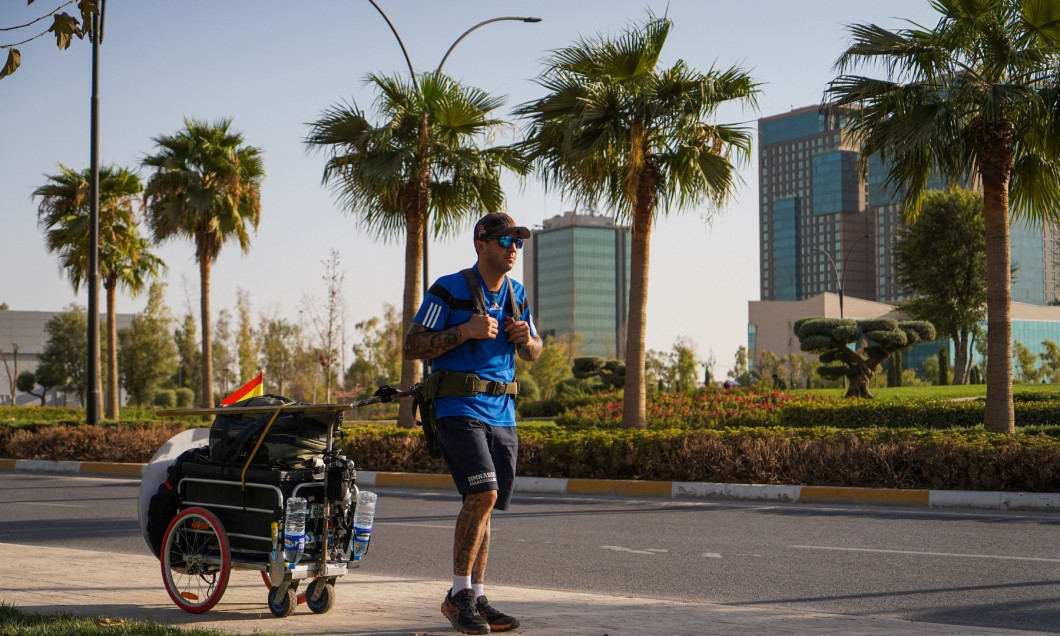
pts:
[460, 610]
[497, 620]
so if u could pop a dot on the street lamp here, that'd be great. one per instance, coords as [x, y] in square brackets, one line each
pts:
[412, 74]
[95, 34]
[839, 279]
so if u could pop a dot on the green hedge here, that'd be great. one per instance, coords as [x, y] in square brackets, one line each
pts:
[891, 458]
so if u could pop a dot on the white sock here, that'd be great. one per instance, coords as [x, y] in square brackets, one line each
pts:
[461, 583]
[480, 590]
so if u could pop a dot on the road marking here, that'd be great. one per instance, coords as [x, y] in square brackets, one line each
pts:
[619, 548]
[54, 505]
[938, 554]
[711, 555]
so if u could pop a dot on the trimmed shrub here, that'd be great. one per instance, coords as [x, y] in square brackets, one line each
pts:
[185, 397]
[165, 398]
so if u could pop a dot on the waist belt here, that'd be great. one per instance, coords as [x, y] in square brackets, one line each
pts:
[457, 384]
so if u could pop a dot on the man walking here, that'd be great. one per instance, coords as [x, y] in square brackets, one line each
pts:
[472, 324]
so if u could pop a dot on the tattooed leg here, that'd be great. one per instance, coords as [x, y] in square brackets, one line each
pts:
[471, 544]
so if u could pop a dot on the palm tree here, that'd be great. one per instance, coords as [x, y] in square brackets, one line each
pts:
[421, 163]
[207, 188]
[975, 99]
[618, 126]
[125, 257]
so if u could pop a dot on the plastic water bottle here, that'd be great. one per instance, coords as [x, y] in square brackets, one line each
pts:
[294, 530]
[363, 516]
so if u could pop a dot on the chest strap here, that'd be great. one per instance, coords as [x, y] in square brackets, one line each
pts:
[445, 383]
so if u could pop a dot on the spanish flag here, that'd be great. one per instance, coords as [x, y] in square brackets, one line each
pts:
[251, 389]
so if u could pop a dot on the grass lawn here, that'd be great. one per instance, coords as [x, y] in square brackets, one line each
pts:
[15, 623]
[940, 392]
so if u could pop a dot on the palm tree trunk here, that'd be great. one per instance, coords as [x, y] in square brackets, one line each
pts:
[633, 402]
[112, 351]
[414, 229]
[207, 344]
[995, 152]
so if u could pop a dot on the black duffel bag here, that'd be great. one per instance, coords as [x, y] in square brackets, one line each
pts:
[294, 440]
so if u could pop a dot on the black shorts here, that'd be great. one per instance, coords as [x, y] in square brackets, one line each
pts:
[479, 456]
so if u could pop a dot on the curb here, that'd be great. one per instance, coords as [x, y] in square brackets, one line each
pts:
[674, 490]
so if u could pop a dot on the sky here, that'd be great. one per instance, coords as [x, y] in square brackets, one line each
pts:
[274, 67]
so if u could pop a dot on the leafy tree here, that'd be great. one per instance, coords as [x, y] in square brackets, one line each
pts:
[1025, 360]
[25, 383]
[147, 358]
[206, 187]
[248, 343]
[830, 338]
[942, 257]
[225, 365]
[64, 27]
[377, 357]
[188, 356]
[64, 359]
[599, 374]
[973, 98]
[1050, 358]
[740, 368]
[125, 257]
[280, 342]
[554, 365]
[617, 125]
[421, 163]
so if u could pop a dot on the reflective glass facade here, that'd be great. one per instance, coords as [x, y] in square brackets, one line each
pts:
[835, 182]
[786, 249]
[581, 281]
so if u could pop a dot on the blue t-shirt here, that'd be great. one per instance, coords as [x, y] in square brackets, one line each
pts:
[448, 303]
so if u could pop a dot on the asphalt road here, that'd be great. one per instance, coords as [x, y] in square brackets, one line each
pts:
[979, 568]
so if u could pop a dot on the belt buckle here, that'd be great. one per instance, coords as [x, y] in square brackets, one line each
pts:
[497, 384]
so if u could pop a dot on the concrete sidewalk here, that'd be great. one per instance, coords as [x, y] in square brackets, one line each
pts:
[124, 586]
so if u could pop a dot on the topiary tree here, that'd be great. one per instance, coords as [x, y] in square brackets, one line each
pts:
[830, 339]
[610, 373]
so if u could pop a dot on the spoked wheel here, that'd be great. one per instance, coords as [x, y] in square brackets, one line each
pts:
[282, 605]
[320, 595]
[196, 560]
[268, 584]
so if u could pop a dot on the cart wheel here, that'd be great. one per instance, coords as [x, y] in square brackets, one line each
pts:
[268, 584]
[284, 606]
[326, 589]
[196, 560]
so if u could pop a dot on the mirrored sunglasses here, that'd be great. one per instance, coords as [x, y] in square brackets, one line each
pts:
[506, 242]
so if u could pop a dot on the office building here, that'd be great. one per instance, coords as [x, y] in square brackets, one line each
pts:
[825, 228]
[576, 272]
[815, 228]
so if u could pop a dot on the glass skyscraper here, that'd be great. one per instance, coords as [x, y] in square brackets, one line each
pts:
[815, 231]
[812, 202]
[576, 272]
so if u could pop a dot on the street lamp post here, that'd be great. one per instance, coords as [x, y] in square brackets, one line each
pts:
[92, 398]
[412, 73]
[840, 278]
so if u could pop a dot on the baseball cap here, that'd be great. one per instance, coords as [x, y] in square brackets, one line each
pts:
[496, 225]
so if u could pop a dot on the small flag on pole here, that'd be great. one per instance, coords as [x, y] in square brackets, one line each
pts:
[253, 388]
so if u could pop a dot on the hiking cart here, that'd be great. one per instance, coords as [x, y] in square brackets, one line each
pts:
[231, 514]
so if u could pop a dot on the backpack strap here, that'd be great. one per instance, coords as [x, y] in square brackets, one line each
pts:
[478, 298]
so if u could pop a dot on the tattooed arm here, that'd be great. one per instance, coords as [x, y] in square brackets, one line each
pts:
[421, 342]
